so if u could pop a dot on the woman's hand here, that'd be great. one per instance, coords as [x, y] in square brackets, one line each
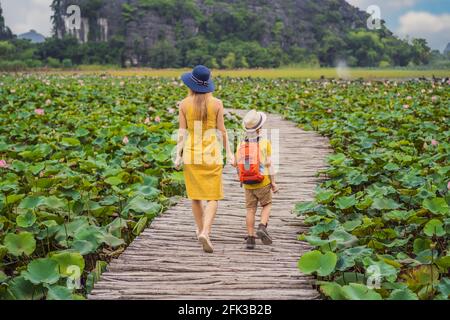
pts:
[232, 160]
[178, 162]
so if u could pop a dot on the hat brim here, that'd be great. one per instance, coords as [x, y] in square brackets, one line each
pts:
[264, 120]
[187, 80]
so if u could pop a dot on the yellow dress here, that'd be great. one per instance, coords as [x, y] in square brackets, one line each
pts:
[202, 155]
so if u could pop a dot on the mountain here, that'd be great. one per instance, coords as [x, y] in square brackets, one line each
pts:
[447, 49]
[33, 36]
[233, 33]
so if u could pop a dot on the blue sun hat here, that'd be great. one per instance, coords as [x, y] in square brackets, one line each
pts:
[199, 80]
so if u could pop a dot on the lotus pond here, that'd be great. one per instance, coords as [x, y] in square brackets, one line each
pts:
[85, 165]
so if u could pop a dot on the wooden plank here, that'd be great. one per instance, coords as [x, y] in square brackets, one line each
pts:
[166, 262]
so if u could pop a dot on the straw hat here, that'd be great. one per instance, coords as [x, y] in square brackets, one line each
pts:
[254, 120]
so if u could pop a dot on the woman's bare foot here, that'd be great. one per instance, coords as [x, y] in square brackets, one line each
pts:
[206, 243]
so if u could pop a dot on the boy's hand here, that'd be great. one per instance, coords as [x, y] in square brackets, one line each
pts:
[275, 188]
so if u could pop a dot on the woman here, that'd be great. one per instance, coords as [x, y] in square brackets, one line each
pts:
[201, 138]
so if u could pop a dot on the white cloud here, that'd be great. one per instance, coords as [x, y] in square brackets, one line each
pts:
[384, 4]
[23, 15]
[419, 24]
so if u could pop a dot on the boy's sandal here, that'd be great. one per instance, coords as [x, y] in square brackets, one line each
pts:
[264, 235]
[251, 242]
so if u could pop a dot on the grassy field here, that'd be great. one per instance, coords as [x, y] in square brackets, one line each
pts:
[299, 73]
[289, 73]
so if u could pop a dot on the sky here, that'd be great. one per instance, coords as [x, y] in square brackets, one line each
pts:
[429, 19]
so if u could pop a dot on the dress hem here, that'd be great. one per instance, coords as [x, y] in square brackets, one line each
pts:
[206, 199]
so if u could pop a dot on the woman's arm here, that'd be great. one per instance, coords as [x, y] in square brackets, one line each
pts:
[223, 131]
[182, 132]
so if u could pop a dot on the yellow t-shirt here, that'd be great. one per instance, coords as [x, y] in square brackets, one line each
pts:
[265, 148]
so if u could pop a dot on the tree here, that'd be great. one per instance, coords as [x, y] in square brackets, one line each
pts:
[366, 47]
[163, 55]
[5, 32]
[57, 17]
[278, 31]
[6, 50]
[421, 51]
[331, 49]
[229, 62]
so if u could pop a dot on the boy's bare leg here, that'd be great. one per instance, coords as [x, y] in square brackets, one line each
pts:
[265, 214]
[210, 214]
[197, 210]
[251, 217]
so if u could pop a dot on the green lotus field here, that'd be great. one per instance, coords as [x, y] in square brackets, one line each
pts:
[86, 164]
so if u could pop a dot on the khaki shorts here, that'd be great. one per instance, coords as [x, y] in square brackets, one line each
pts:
[262, 195]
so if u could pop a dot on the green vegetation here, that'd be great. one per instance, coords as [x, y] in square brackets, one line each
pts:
[85, 165]
[230, 36]
[284, 72]
[383, 216]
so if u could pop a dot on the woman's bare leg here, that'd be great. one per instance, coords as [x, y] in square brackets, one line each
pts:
[197, 210]
[208, 218]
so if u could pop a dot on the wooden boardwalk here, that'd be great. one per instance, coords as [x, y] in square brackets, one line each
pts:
[167, 262]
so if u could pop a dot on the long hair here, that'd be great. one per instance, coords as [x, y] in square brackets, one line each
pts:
[200, 105]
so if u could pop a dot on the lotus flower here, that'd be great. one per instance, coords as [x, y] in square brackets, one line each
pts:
[406, 106]
[39, 112]
[3, 164]
[434, 142]
[147, 120]
[125, 140]
[158, 119]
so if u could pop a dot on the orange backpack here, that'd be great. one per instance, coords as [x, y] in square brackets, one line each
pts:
[249, 163]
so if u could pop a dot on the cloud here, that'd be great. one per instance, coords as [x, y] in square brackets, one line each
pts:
[384, 4]
[23, 15]
[420, 24]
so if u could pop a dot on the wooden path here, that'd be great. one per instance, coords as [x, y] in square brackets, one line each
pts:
[167, 262]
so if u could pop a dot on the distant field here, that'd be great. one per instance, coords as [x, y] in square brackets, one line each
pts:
[299, 73]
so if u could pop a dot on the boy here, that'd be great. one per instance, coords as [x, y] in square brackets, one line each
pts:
[257, 176]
